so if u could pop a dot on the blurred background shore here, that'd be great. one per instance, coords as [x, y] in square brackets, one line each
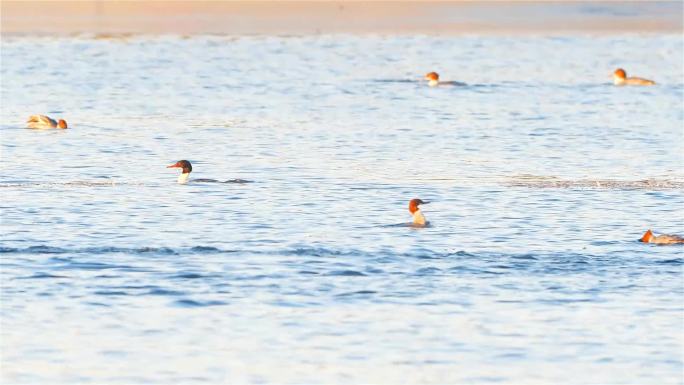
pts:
[296, 17]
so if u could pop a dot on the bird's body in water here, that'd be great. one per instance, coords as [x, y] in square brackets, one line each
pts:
[620, 79]
[184, 177]
[45, 122]
[418, 217]
[433, 80]
[663, 239]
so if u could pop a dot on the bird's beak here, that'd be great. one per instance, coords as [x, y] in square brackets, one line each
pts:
[175, 165]
[425, 202]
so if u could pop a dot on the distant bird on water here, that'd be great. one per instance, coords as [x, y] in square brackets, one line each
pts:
[620, 79]
[433, 80]
[663, 239]
[418, 217]
[45, 122]
[184, 177]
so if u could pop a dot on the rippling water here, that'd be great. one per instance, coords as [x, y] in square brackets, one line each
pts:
[542, 177]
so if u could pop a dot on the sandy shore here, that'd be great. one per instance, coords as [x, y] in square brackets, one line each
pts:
[292, 17]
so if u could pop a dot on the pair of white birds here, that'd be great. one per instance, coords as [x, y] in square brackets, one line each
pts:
[186, 169]
[413, 207]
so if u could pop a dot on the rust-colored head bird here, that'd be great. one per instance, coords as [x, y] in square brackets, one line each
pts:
[418, 217]
[45, 122]
[432, 78]
[663, 239]
[186, 167]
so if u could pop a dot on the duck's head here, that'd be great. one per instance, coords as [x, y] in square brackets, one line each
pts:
[647, 237]
[619, 75]
[62, 123]
[184, 164]
[414, 203]
[432, 76]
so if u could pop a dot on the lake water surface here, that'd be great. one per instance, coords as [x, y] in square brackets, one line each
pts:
[542, 177]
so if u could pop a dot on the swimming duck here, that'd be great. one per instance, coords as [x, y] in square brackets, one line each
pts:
[433, 80]
[44, 122]
[620, 79]
[663, 239]
[418, 217]
[184, 177]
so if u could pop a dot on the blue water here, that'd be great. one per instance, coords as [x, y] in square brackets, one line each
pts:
[542, 177]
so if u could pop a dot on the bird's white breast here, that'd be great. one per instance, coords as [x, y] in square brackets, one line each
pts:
[183, 178]
[418, 218]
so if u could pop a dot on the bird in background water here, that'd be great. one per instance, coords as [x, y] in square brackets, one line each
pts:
[433, 80]
[414, 209]
[663, 239]
[620, 79]
[45, 122]
[186, 168]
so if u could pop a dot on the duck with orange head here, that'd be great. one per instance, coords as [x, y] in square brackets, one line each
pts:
[45, 122]
[620, 79]
[663, 239]
[418, 217]
[433, 80]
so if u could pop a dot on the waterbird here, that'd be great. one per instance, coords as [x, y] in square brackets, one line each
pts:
[186, 166]
[620, 79]
[418, 217]
[44, 122]
[663, 239]
[433, 80]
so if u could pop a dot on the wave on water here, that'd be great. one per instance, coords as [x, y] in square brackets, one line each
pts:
[527, 181]
[109, 263]
[396, 81]
[238, 181]
[309, 251]
[42, 249]
[532, 181]
[108, 183]
[290, 251]
[410, 224]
